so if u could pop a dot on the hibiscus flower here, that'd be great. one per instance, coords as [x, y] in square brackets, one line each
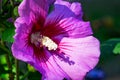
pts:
[58, 44]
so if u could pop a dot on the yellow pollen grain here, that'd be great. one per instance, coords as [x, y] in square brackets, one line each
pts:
[47, 42]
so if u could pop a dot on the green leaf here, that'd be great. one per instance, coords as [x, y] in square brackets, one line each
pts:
[2, 70]
[8, 34]
[4, 2]
[20, 0]
[8, 24]
[2, 59]
[4, 76]
[108, 46]
[15, 11]
[116, 50]
[107, 50]
[31, 68]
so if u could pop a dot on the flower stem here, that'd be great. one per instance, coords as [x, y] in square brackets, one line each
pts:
[11, 76]
[17, 69]
[2, 46]
[0, 6]
[12, 3]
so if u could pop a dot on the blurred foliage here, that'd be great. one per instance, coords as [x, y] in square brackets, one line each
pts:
[104, 16]
[107, 49]
[8, 36]
[116, 50]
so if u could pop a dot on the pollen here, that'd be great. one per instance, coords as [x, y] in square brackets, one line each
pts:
[43, 41]
[47, 42]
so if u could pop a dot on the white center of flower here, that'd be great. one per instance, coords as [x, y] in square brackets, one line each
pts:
[40, 41]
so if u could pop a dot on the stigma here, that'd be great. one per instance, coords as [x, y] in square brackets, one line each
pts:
[43, 41]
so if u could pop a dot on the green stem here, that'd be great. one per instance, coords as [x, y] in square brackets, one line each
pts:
[12, 3]
[11, 76]
[0, 6]
[2, 46]
[17, 69]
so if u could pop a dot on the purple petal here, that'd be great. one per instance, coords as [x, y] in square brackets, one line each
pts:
[23, 51]
[68, 27]
[72, 61]
[20, 48]
[52, 71]
[38, 8]
[80, 56]
[63, 22]
[75, 28]
[75, 7]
